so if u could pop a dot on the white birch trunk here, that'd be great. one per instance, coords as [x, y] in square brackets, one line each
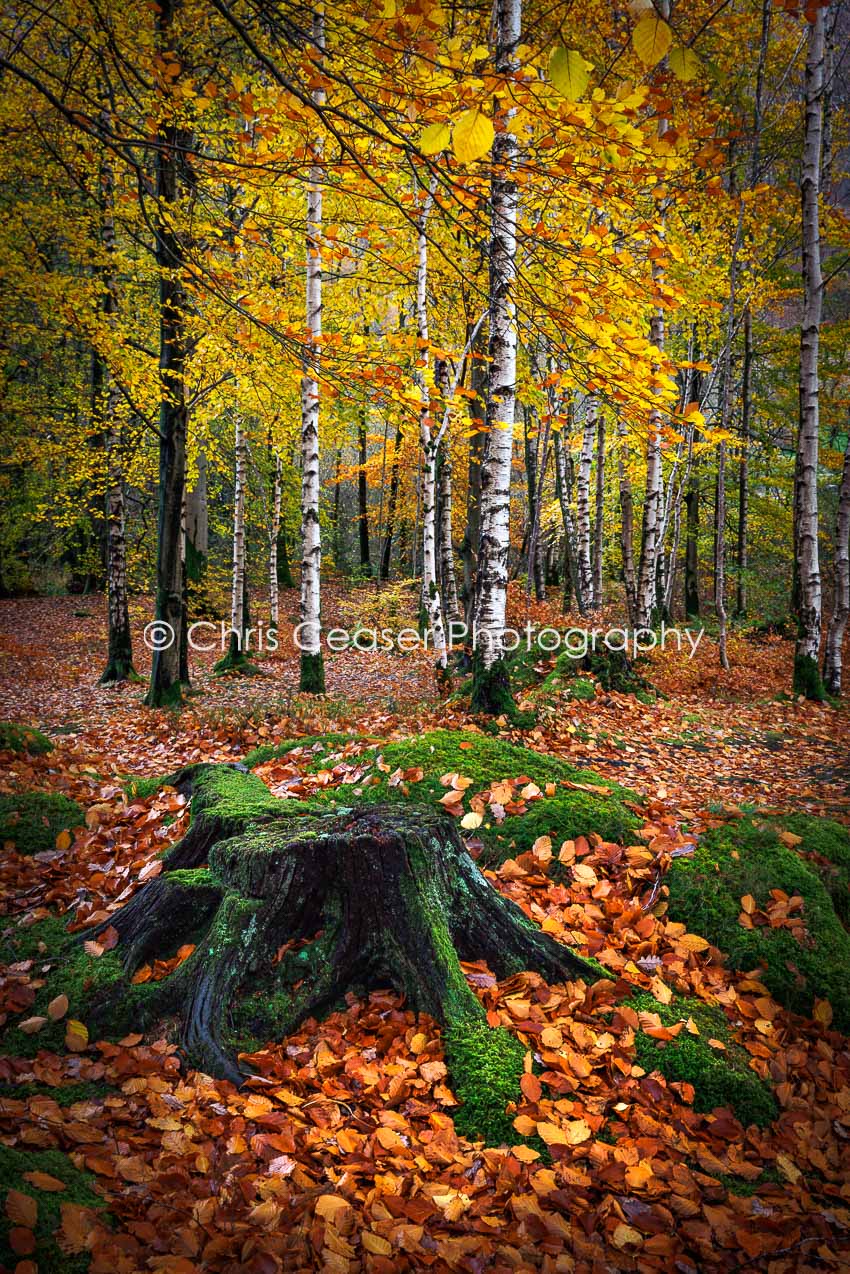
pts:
[627, 521]
[274, 535]
[646, 583]
[312, 665]
[237, 586]
[492, 584]
[431, 600]
[806, 538]
[585, 464]
[841, 600]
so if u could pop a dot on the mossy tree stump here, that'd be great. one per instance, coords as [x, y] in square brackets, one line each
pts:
[384, 895]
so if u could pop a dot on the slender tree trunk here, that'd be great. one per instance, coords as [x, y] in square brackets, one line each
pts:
[173, 142]
[563, 482]
[585, 465]
[363, 494]
[720, 548]
[274, 536]
[599, 521]
[431, 600]
[119, 663]
[491, 690]
[451, 603]
[744, 469]
[477, 420]
[184, 626]
[627, 522]
[236, 652]
[312, 679]
[392, 503]
[336, 526]
[841, 599]
[807, 680]
[691, 553]
[652, 506]
[197, 541]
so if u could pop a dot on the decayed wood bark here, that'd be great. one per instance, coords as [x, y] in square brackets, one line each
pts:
[382, 895]
[312, 677]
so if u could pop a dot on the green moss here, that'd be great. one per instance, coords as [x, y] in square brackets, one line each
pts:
[746, 857]
[21, 738]
[64, 1095]
[828, 843]
[33, 820]
[485, 1067]
[321, 744]
[562, 817]
[807, 678]
[719, 1078]
[48, 1257]
[312, 679]
[582, 690]
[66, 969]
[491, 688]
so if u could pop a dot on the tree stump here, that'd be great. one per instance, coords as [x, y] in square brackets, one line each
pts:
[385, 895]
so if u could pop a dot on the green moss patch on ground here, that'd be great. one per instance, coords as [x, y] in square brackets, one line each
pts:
[22, 738]
[63, 967]
[826, 846]
[747, 857]
[485, 1067]
[485, 760]
[719, 1077]
[79, 1188]
[33, 820]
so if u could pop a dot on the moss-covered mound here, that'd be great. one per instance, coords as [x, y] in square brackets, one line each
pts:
[720, 1077]
[22, 738]
[611, 669]
[65, 969]
[48, 1256]
[422, 763]
[33, 820]
[746, 858]
[826, 847]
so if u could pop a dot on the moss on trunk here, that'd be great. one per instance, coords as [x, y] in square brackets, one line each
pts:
[378, 895]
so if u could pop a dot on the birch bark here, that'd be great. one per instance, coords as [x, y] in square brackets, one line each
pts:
[312, 679]
[491, 691]
[841, 588]
[807, 680]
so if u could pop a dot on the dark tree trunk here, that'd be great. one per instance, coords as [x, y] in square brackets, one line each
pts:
[598, 521]
[691, 555]
[173, 413]
[477, 413]
[387, 551]
[381, 895]
[363, 498]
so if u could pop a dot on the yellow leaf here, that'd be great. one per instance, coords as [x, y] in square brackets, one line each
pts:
[472, 136]
[568, 71]
[435, 138]
[63, 840]
[551, 1134]
[788, 1168]
[76, 1036]
[684, 63]
[823, 1012]
[693, 942]
[651, 39]
[375, 1243]
[471, 820]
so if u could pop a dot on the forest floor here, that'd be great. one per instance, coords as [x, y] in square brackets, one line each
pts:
[341, 1154]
